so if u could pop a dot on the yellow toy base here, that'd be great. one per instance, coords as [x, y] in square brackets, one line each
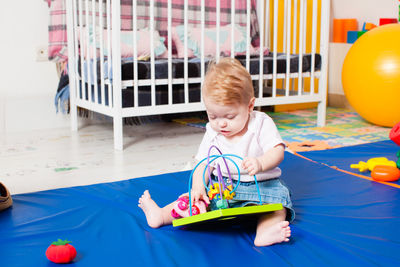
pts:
[224, 214]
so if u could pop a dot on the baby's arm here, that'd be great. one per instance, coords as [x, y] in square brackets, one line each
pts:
[271, 159]
[198, 189]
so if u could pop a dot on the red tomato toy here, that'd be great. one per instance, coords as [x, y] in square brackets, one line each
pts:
[61, 252]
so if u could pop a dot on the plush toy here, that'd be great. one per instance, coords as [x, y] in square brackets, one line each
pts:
[181, 208]
[61, 251]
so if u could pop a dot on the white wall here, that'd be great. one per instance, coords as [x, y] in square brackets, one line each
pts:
[27, 87]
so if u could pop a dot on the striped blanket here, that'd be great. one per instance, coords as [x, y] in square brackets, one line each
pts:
[57, 47]
[57, 18]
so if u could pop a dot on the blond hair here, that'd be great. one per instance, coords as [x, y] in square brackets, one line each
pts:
[228, 82]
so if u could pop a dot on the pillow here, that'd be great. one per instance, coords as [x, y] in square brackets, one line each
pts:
[142, 38]
[210, 39]
[143, 44]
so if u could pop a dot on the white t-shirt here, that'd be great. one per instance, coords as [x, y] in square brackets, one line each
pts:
[261, 136]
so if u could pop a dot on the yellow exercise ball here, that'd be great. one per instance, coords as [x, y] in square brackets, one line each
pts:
[371, 75]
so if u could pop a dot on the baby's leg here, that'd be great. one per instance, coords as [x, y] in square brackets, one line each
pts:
[155, 215]
[272, 228]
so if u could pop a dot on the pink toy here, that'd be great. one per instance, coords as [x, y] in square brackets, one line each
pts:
[181, 208]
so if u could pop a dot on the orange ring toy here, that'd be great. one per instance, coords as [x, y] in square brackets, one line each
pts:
[309, 146]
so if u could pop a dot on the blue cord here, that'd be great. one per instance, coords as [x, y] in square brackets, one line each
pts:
[225, 156]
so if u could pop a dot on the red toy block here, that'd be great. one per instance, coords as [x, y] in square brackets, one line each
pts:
[383, 21]
[394, 134]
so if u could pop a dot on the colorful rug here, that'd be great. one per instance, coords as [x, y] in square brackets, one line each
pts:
[298, 129]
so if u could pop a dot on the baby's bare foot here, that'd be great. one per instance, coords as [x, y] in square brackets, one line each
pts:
[277, 233]
[152, 211]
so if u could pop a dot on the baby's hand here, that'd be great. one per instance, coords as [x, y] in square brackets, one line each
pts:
[199, 193]
[252, 165]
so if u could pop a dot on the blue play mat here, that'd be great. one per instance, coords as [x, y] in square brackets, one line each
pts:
[341, 220]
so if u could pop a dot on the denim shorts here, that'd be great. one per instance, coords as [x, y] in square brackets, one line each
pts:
[271, 191]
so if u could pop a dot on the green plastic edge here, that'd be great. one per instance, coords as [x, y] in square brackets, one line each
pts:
[222, 213]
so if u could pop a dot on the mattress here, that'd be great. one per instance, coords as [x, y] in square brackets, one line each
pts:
[194, 70]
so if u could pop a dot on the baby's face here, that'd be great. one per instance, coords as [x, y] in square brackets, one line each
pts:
[229, 120]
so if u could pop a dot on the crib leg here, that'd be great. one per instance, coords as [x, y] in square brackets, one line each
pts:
[118, 134]
[321, 114]
[74, 116]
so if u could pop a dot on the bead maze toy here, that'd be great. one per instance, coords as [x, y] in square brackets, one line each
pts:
[222, 193]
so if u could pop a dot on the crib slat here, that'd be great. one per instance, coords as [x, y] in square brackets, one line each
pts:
[233, 25]
[135, 55]
[295, 12]
[294, 46]
[185, 57]
[261, 55]
[102, 87]
[305, 26]
[202, 42]
[288, 32]
[169, 53]
[116, 56]
[109, 54]
[75, 45]
[304, 38]
[82, 52]
[218, 22]
[275, 40]
[324, 44]
[285, 15]
[72, 39]
[94, 49]
[313, 45]
[152, 66]
[301, 43]
[88, 54]
[248, 41]
[116, 70]
[266, 27]
[76, 50]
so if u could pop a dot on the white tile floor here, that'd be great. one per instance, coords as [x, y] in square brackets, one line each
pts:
[48, 159]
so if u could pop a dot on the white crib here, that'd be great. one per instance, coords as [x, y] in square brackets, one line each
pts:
[296, 32]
